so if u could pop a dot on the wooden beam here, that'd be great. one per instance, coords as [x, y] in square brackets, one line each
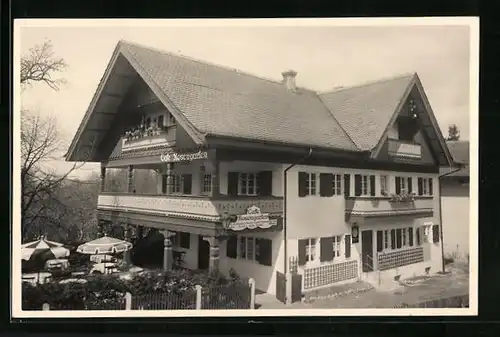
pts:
[125, 76]
[105, 113]
[95, 130]
[113, 95]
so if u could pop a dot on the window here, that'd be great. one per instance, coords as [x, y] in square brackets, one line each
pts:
[160, 121]
[337, 185]
[336, 245]
[424, 186]
[424, 235]
[248, 248]
[405, 237]
[384, 188]
[311, 182]
[207, 183]
[310, 250]
[364, 185]
[181, 240]
[387, 234]
[404, 185]
[243, 248]
[171, 119]
[248, 184]
[176, 183]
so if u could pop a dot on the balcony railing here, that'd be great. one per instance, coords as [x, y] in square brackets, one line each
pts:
[187, 206]
[381, 206]
[399, 148]
[158, 137]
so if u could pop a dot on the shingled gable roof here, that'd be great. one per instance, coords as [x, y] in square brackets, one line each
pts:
[208, 99]
[460, 151]
[367, 111]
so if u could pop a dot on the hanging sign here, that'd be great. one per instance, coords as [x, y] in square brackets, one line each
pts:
[175, 157]
[355, 233]
[252, 219]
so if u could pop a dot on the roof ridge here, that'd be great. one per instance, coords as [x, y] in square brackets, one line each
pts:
[367, 83]
[239, 71]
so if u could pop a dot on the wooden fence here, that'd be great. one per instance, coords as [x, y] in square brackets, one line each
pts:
[233, 296]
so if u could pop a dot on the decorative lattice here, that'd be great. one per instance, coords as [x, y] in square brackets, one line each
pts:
[389, 260]
[330, 274]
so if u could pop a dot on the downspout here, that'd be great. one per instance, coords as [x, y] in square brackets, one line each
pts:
[285, 264]
[460, 166]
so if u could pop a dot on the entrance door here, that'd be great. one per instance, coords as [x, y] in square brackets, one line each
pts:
[203, 253]
[367, 250]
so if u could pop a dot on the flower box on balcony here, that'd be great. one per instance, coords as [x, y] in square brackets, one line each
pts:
[141, 132]
[402, 197]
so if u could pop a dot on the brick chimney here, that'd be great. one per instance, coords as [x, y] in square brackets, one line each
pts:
[289, 79]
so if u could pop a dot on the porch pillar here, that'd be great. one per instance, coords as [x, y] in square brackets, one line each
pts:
[103, 178]
[170, 178]
[167, 250]
[130, 179]
[140, 232]
[214, 252]
[128, 237]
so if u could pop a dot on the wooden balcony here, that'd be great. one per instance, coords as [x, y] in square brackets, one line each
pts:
[399, 148]
[187, 206]
[383, 206]
[165, 137]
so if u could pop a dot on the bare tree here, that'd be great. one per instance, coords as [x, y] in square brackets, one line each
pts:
[40, 65]
[41, 205]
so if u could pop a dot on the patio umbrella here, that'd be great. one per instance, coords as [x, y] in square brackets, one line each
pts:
[43, 249]
[103, 246]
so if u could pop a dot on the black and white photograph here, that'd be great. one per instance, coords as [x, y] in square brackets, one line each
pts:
[263, 167]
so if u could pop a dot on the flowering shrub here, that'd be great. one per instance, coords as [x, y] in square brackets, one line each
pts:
[142, 131]
[108, 291]
[402, 197]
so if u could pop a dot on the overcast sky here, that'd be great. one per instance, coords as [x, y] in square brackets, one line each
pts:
[323, 56]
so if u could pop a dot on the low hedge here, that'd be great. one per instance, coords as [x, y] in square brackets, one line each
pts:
[101, 289]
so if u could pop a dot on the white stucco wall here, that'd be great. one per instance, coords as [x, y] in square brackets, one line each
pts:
[264, 276]
[316, 216]
[456, 220]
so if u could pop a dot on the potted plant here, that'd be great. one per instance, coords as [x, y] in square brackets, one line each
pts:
[403, 197]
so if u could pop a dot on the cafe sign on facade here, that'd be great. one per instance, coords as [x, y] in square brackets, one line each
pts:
[175, 157]
[252, 219]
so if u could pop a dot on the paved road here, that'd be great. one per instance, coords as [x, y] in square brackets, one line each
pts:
[439, 286]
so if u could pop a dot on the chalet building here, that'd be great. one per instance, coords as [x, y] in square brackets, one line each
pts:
[267, 178]
[456, 203]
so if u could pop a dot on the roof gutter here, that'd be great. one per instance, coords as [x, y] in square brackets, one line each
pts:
[440, 177]
[285, 260]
